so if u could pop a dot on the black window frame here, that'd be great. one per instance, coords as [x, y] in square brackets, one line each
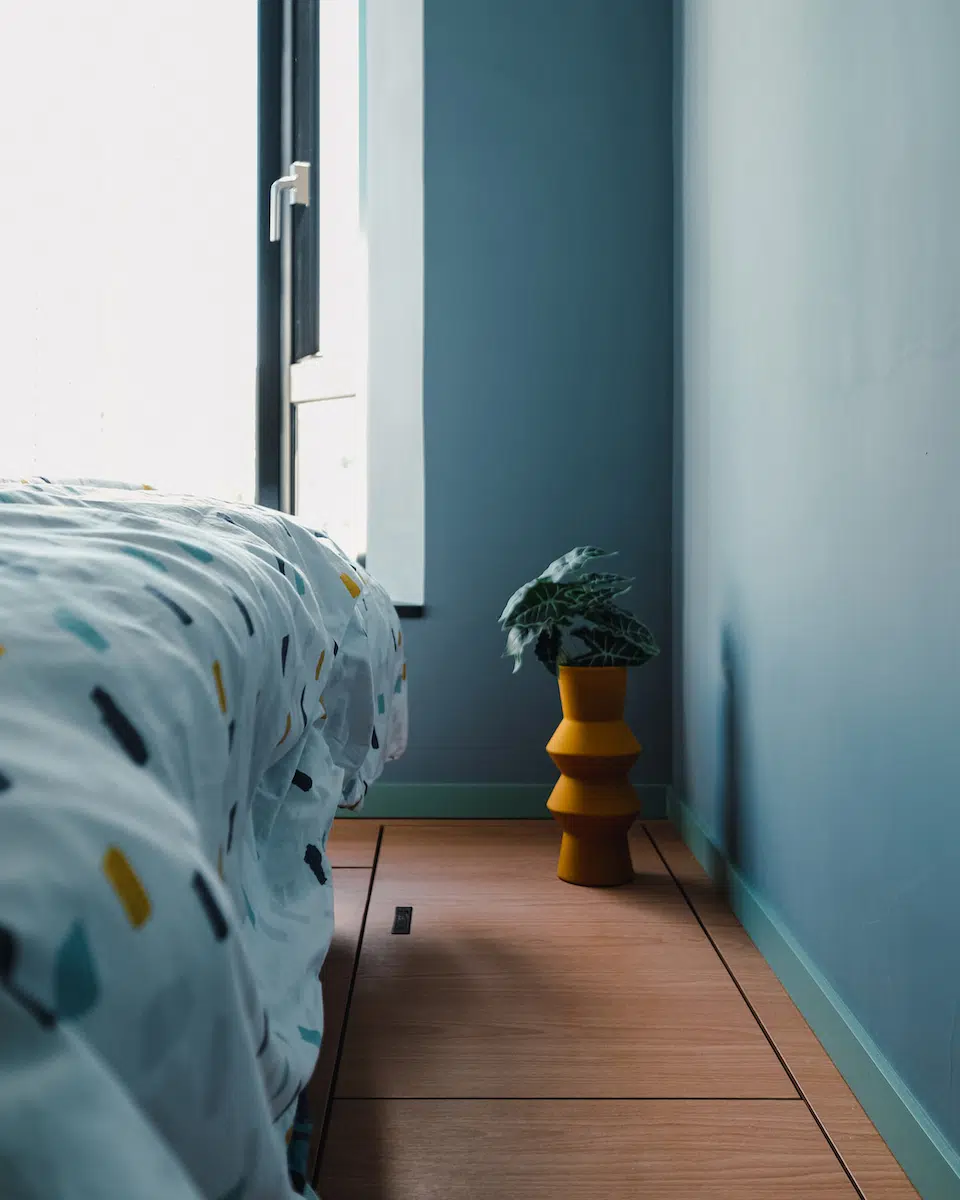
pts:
[270, 36]
[288, 87]
[288, 70]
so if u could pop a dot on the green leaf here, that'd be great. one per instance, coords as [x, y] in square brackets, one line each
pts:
[606, 649]
[517, 641]
[599, 588]
[548, 648]
[602, 580]
[549, 587]
[618, 621]
[568, 601]
[515, 599]
[545, 603]
[572, 561]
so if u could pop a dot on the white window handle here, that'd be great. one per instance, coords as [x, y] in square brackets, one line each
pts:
[297, 183]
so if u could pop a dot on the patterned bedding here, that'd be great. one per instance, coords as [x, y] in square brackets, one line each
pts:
[188, 691]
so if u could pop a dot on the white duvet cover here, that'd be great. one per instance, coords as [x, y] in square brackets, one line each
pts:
[187, 693]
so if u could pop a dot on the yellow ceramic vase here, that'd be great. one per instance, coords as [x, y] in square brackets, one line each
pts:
[594, 802]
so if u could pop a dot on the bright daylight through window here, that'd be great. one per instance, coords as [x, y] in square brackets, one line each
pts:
[330, 389]
[128, 297]
[130, 290]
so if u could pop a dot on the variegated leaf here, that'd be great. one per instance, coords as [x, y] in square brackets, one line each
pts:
[546, 603]
[548, 648]
[517, 641]
[514, 601]
[598, 589]
[572, 561]
[606, 649]
[619, 622]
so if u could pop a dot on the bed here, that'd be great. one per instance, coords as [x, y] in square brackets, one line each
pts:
[189, 692]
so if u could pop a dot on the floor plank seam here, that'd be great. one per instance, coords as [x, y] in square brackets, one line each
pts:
[328, 1110]
[581, 1099]
[756, 1016]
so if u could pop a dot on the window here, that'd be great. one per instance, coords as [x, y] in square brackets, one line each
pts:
[148, 322]
[128, 219]
[395, 536]
[359, 403]
[328, 389]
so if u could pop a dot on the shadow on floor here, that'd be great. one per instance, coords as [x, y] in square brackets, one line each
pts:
[336, 975]
[506, 991]
[505, 997]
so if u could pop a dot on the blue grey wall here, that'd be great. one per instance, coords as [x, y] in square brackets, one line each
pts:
[821, 491]
[548, 369]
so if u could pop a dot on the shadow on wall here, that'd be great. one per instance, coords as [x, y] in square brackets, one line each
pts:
[730, 766]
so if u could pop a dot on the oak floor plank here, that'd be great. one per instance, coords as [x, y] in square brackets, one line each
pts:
[514, 984]
[578, 1150]
[352, 842]
[866, 1155]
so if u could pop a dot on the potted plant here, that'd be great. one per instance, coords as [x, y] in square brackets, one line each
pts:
[570, 616]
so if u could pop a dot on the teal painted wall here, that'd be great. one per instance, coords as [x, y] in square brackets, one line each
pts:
[547, 358]
[820, 484]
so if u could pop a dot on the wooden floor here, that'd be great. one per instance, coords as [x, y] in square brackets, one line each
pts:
[530, 1039]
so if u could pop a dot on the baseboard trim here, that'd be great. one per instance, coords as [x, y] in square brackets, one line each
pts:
[479, 801]
[930, 1162]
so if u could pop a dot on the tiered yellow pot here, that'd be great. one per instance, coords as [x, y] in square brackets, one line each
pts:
[593, 801]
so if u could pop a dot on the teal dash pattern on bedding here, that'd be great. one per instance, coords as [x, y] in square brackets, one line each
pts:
[136, 552]
[70, 623]
[130, 909]
[197, 552]
[75, 978]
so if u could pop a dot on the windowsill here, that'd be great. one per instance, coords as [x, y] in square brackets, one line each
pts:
[394, 381]
[380, 378]
[322, 377]
[407, 612]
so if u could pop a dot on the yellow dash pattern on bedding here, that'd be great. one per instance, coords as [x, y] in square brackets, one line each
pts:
[320, 663]
[3, 651]
[324, 707]
[400, 638]
[218, 680]
[286, 732]
[403, 673]
[129, 890]
[351, 585]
